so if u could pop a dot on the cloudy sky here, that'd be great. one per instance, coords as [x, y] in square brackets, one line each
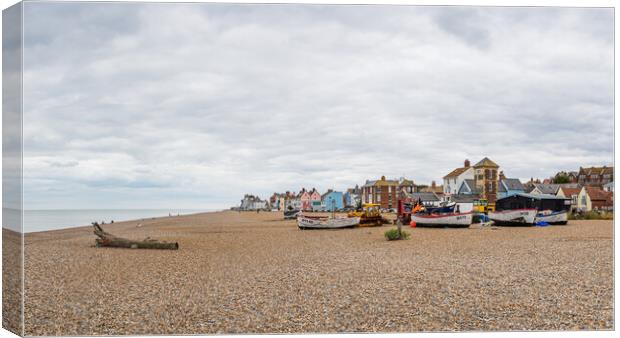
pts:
[136, 105]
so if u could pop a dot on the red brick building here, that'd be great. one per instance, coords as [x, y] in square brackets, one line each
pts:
[595, 176]
[385, 192]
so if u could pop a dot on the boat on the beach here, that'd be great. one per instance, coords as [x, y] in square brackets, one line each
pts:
[441, 220]
[552, 217]
[324, 222]
[513, 217]
[530, 209]
[291, 214]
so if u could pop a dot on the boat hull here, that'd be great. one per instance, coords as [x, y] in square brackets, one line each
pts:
[517, 217]
[291, 214]
[329, 223]
[552, 217]
[452, 220]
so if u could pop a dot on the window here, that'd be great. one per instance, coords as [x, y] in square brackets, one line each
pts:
[378, 198]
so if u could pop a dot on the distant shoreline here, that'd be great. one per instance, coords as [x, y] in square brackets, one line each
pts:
[95, 218]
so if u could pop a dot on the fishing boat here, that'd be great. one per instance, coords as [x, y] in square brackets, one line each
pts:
[513, 217]
[552, 217]
[441, 220]
[530, 209]
[324, 222]
[290, 214]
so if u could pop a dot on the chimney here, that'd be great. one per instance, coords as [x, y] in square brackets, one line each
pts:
[467, 164]
[501, 175]
[383, 178]
[433, 185]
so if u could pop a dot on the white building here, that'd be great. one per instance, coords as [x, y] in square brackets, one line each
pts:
[251, 202]
[452, 182]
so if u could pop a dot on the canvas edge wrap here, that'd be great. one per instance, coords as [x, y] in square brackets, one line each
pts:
[12, 171]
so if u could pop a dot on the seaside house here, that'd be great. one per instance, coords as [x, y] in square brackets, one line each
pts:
[594, 198]
[595, 176]
[453, 181]
[352, 196]
[304, 199]
[545, 189]
[252, 202]
[333, 200]
[315, 200]
[486, 180]
[509, 187]
[572, 194]
[292, 202]
[468, 187]
[382, 191]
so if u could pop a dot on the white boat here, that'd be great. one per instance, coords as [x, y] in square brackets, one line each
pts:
[552, 217]
[448, 220]
[513, 217]
[305, 222]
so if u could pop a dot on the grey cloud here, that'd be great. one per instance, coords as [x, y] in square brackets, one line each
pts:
[200, 103]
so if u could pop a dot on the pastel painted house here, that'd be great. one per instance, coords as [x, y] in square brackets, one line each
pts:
[333, 200]
[315, 201]
[304, 198]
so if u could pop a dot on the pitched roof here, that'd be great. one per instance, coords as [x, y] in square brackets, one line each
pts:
[568, 192]
[456, 172]
[511, 184]
[380, 183]
[485, 162]
[597, 194]
[471, 185]
[550, 189]
[597, 170]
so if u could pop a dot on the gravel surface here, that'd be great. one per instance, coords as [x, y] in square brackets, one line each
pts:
[256, 273]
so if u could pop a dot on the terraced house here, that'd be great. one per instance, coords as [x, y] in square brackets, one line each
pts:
[595, 176]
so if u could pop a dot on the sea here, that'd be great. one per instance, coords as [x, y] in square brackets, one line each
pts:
[43, 220]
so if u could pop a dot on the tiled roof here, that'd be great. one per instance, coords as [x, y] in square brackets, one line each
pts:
[456, 172]
[597, 170]
[485, 162]
[597, 194]
[568, 192]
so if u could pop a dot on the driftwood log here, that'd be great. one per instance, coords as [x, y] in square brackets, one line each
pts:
[107, 239]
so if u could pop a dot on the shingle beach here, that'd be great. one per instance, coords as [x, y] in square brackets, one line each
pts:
[257, 273]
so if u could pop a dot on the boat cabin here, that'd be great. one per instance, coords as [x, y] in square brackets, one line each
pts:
[538, 201]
